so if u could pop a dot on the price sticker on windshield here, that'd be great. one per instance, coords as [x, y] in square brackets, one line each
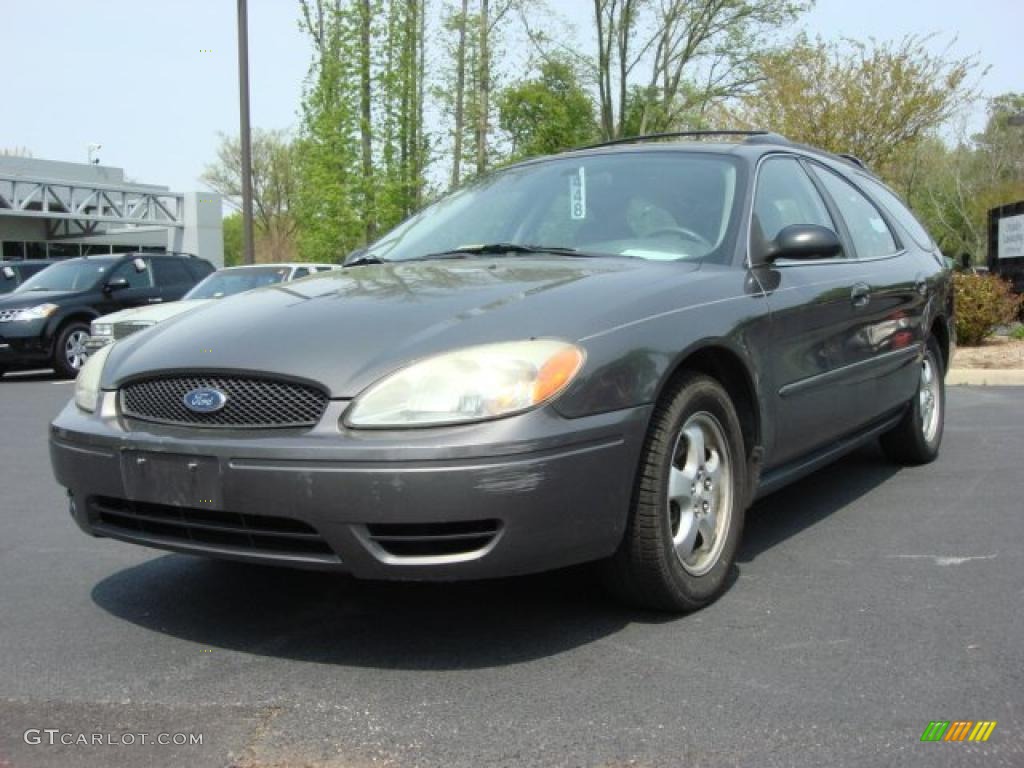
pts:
[578, 195]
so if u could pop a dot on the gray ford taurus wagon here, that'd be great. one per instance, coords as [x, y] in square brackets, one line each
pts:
[603, 355]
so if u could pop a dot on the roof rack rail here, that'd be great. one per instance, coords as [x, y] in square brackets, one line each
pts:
[850, 158]
[754, 136]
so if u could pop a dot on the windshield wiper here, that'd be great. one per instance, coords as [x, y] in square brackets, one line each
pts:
[504, 249]
[366, 260]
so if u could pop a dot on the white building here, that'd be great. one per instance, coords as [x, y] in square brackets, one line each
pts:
[55, 209]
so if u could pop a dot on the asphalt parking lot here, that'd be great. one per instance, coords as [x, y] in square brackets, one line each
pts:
[868, 601]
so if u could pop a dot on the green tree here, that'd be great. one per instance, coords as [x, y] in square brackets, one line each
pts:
[232, 231]
[328, 201]
[953, 188]
[548, 113]
[681, 55]
[362, 147]
[274, 182]
[875, 100]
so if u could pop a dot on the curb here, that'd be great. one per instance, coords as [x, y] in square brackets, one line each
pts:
[985, 377]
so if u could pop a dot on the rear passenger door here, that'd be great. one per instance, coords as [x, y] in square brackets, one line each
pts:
[172, 278]
[819, 397]
[891, 313]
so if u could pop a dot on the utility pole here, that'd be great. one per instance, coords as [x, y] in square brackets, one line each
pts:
[248, 256]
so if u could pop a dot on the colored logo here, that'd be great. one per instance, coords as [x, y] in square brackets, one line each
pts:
[958, 730]
[205, 400]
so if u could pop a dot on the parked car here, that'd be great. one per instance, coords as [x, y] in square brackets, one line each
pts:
[603, 355]
[45, 321]
[14, 273]
[224, 282]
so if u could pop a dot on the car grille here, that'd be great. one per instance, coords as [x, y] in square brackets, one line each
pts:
[121, 330]
[200, 528]
[252, 403]
[433, 539]
[8, 314]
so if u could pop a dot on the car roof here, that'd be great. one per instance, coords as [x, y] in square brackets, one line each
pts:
[750, 145]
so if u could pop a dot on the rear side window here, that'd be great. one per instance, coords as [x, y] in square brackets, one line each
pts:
[786, 196]
[300, 272]
[868, 230]
[900, 212]
[199, 268]
[170, 272]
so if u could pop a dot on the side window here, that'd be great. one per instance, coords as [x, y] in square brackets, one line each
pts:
[300, 272]
[136, 278]
[786, 196]
[868, 230]
[168, 272]
[900, 212]
[199, 268]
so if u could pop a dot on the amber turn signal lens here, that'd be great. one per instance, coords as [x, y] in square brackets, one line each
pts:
[556, 373]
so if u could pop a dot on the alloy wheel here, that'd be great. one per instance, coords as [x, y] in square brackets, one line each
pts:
[929, 400]
[700, 493]
[74, 350]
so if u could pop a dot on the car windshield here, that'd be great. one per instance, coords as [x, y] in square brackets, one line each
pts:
[75, 275]
[651, 205]
[232, 281]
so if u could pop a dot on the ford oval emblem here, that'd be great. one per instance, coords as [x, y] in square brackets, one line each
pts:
[205, 400]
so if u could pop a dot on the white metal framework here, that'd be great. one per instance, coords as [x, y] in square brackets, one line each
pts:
[76, 208]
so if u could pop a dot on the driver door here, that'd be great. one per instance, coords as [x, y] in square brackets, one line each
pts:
[141, 289]
[814, 316]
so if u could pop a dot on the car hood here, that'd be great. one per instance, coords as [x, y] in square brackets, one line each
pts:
[348, 328]
[16, 300]
[153, 313]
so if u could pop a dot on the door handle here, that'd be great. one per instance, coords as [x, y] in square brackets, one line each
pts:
[860, 296]
[154, 301]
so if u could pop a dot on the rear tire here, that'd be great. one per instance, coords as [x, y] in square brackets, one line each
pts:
[688, 507]
[916, 439]
[69, 351]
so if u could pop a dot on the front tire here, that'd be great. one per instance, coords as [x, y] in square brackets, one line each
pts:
[689, 503]
[69, 353]
[916, 439]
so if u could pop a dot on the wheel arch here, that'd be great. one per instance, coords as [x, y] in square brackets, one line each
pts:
[730, 368]
[60, 322]
[940, 331]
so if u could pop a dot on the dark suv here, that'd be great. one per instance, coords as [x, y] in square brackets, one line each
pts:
[14, 273]
[45, 321]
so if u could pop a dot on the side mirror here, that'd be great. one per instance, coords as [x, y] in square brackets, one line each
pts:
[139, 264]
[8, 273]
[803, 241]
[116, 284]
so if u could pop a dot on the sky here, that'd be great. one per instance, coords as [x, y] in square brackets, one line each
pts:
[156, 81]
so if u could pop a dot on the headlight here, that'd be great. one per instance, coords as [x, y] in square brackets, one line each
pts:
[35, 313]
[87, 384]
[101, 329]
[470, 384]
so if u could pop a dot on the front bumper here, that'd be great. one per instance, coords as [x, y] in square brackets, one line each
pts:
[23, 343]
[517, 495]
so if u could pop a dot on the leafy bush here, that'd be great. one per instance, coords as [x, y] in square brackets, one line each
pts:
[983, 302]
[1018, 332]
